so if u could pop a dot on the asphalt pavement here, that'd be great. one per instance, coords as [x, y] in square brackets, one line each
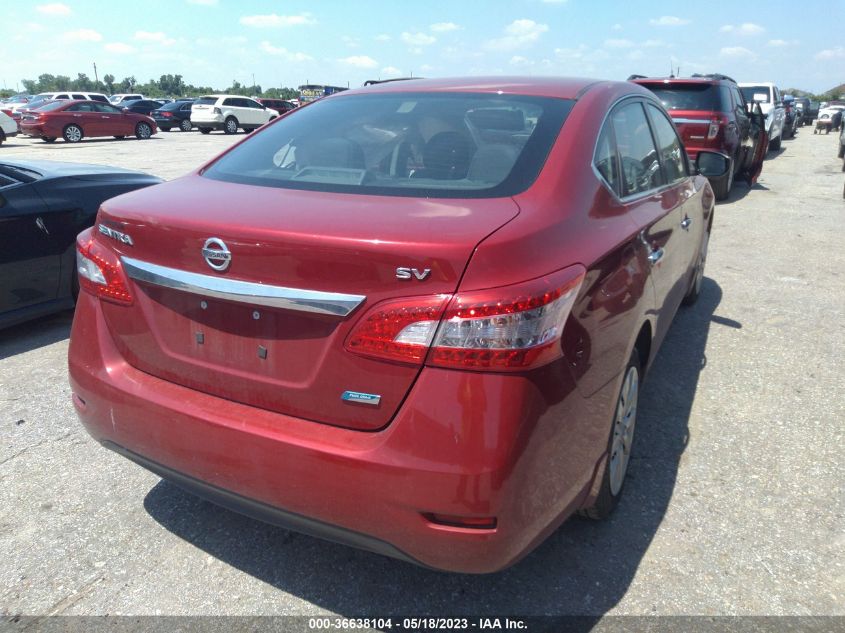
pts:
[734, 506]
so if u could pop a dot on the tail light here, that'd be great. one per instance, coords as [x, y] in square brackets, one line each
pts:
[166, 114]
[100, 270]
[713, 130]
[500, 329]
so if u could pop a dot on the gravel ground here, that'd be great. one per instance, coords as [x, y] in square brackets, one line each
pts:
[734, 506]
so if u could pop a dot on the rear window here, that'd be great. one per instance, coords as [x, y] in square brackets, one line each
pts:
[99, 98]
[206, 101]
[409, 144]
[691, 96]
[55, 105]
[759, 94]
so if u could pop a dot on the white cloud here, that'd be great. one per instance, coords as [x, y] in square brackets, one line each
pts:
[619, 43]
[391, 71]
[747, 28]
[275, 21]
[636, 56]
[418, 39]
[777, 43]
[54, 8]
[616, 27]
[359, 61]
[737, 52]
[519, 60]
[837, 52]
[119, 48]
[279, 51]
[518, 34]
[653, 43]
[444, 27]
[669, 20]
[382, 37]
[205, 3]
[83, 35]
[156, 37]
[351, 42]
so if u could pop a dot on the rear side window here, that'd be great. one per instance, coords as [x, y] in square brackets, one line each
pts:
[687, 96]
[672, 154]
[605, 160]
[409, 144]
[759, 94]
[637, 154]
[99, 98]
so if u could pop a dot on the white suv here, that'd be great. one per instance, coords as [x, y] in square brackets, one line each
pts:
[89, 96]
[768, 96]
[228, 113]
[121, 97]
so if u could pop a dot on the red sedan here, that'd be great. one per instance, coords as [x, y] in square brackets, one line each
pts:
[414, 318]
[74, 120]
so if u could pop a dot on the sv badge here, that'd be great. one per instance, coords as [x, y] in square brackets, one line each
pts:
[412, 273]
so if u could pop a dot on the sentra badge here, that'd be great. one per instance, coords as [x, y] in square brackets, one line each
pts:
[123, 238]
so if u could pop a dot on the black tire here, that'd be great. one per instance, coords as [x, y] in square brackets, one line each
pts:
[143, 131]
[165, 129]
[48, 139]
[185, 125]
[722, 187]
[205, 130]
[694, 290]
[121, 137]
[621, 425]
[230, 125]
[775, 144]
[841, 153]
[72, 133]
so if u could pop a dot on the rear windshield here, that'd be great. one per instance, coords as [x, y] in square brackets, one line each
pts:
[409, 144]
[55, 105]
[760, 94]
[206, 100]
[688, 96]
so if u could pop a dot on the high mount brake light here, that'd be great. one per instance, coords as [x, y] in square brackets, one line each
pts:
[100, 271]
[501, 329]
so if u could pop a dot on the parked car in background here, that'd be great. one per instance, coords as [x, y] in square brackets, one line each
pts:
[228, 113]
[140, 106]
[45, 205]
[790, 117]
[8, 127]
[174, 115]
[830, 118]
[74, 120]
[804, 107]
[711, 114]
[768, 96]
[279, 105]
[15, 102]
[841, 153]
[119, 98]
[76, 95]
[814, 109]
[435, 300]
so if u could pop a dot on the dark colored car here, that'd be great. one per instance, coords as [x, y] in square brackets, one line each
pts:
[413, 318]
[140, 106]
[711, 114]
[804, 107]
[43, 206]
[75, 120]
[175, 114]
[792, 117]
[279, 105]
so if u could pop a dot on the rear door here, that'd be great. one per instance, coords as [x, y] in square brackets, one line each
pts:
[83, 114]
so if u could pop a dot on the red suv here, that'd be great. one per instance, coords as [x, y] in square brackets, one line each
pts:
[711, 113]
[413, 318]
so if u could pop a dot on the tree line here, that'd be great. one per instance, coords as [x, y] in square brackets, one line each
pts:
[165, 86]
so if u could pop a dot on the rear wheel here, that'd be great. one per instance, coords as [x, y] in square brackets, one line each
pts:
[48, 139]
[841, 151]
[694, 290]
[72, 133]
[774, 144]
[185, 125]
[619, 444]
[143, 131]
[231, 125]
[205, 130]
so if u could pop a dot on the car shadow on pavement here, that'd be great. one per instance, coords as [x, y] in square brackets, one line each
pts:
[585, 568]
[35, 334]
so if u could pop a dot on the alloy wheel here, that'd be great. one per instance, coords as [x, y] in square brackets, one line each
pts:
[623, 429]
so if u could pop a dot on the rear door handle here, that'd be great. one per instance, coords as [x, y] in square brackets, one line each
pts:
[686, 223]
[655, 256]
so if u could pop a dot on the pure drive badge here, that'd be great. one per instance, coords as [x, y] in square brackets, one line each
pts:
[363, 398]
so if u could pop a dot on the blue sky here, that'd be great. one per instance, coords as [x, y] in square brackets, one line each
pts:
[286, 43]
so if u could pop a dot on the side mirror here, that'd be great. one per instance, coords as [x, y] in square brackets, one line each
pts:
[712, 164]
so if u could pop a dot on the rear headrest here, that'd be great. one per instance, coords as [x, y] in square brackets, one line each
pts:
[497, 119]
[492, 163]
[446, 156]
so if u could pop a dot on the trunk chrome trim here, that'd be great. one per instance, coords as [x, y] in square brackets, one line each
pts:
[699, 121]
[314, 301]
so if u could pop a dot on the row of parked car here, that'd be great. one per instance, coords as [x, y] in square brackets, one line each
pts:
[75, 115]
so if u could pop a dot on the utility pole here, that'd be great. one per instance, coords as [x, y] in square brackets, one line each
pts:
[96, 79]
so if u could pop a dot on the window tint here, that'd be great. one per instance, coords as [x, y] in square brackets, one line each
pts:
[672, 154]
[756, 93]
[78, 96]
[106, 108]
[99, 98]
[61, 96]
[686, 96]
[249, 103]
[408, 144]
[637, 154]
[206, 100]
[605, 160]
[230, 102]
[81, 107]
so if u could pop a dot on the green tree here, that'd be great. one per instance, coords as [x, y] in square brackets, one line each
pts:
[109, 81]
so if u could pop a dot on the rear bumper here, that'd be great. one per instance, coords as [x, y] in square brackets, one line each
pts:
[523, 449]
